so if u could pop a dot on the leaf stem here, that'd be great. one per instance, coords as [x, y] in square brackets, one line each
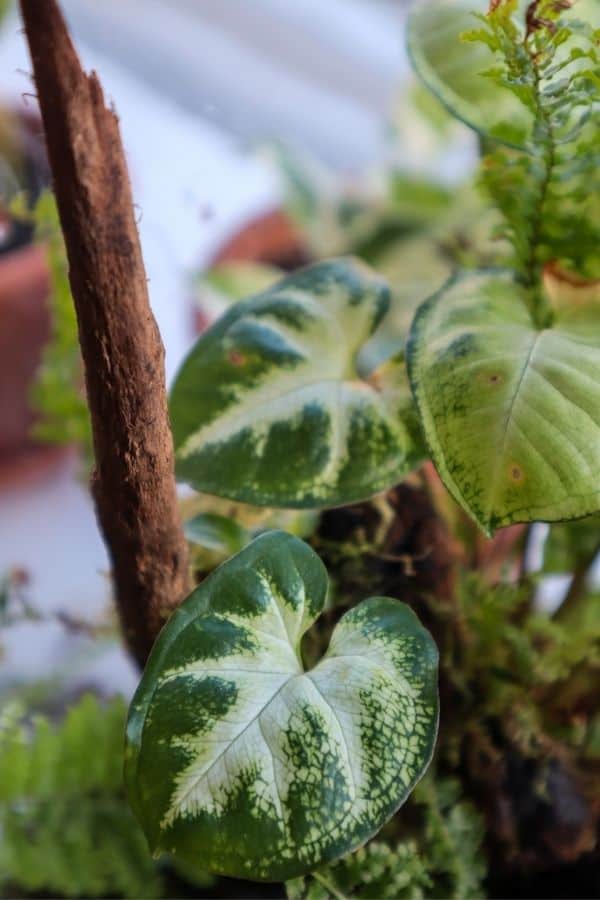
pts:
[576, 595]
[539, 306]
[329, 886]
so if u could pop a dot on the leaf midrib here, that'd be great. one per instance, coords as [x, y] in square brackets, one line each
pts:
[230, 744]
[256, 718]
[226, 423]
[500, 458]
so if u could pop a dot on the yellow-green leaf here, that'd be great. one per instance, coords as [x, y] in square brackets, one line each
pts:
[511, 412]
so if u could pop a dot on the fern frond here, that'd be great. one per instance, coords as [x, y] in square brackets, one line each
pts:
[548, 192]
[374, 871]
[65, 824]
[443, 858]
[453, 835]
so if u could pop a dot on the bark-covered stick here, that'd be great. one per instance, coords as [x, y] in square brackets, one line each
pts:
[133, 485]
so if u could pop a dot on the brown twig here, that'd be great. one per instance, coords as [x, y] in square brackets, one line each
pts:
[133, 485]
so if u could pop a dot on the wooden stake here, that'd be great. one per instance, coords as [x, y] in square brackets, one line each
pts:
[134, 484]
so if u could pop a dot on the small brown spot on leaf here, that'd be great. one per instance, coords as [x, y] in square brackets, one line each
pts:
[516, 473]
[236, 358]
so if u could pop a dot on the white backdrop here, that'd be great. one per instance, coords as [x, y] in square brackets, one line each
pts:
[194, 82]
[191, 91]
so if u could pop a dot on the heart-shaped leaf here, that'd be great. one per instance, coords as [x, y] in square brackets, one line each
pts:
[238, 758]
[273, 407]
[511, 412]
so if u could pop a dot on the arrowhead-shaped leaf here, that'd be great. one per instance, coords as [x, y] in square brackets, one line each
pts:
[239, 759]
[273, 407]
[511, 413]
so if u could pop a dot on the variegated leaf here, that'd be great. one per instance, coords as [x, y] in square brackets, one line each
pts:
[511, 412]
[273, 406]
[239, 759]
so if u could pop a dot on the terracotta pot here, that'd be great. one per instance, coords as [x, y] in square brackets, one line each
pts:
[269, 238]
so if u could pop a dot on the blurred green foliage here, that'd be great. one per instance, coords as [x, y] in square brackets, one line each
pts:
[441, 857]
[58, 394]
[65, 824]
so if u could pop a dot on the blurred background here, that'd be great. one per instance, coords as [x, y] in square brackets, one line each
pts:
[230, 112]
[261, 136]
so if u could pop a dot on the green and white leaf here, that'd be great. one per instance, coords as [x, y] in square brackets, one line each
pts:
[240, 759]
[273, 406]
[511, 412]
